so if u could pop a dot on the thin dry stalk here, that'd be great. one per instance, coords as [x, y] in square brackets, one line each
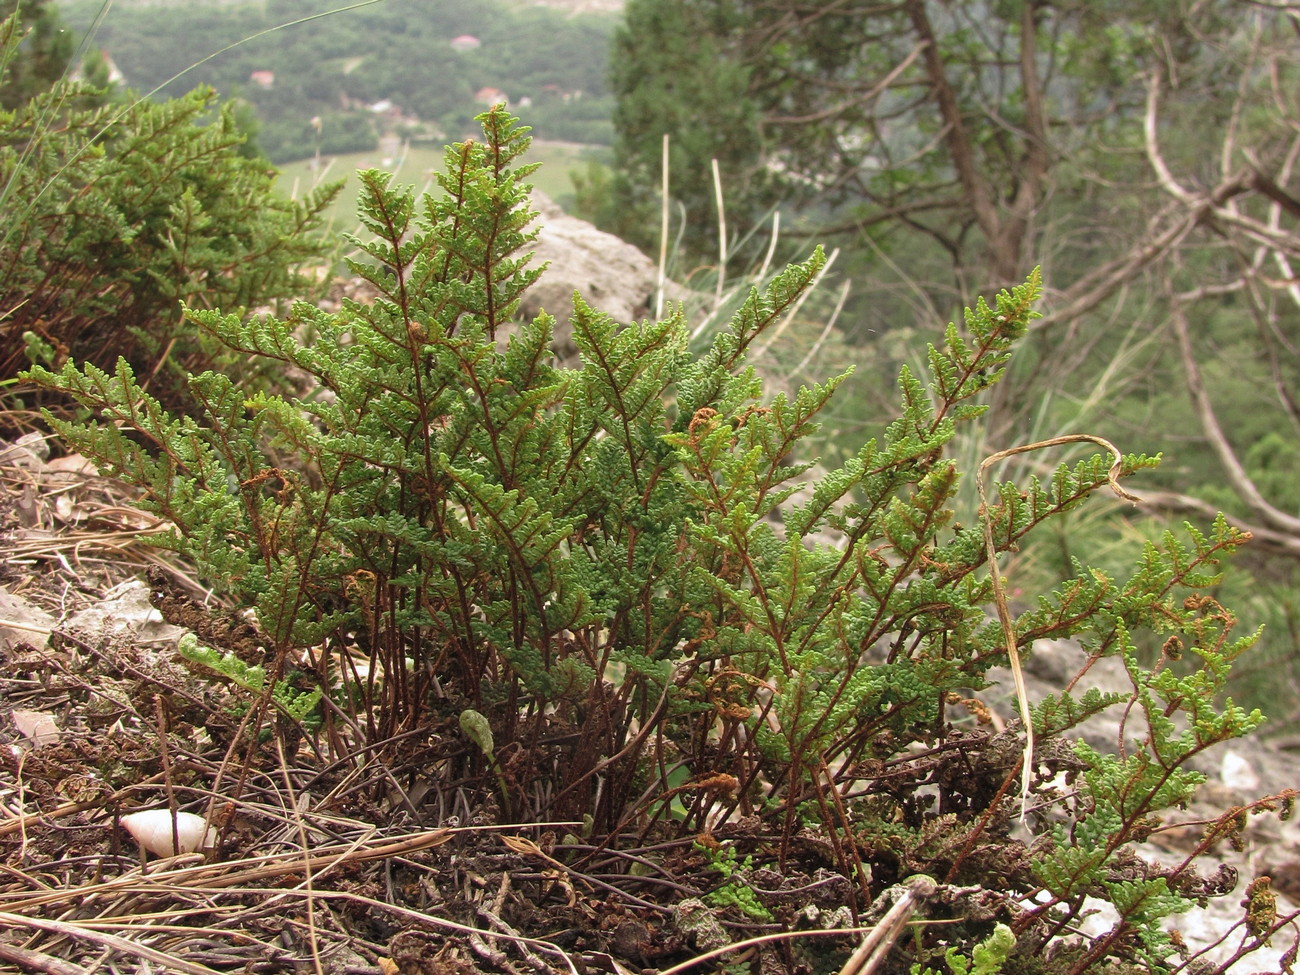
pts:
[20, 823]
[999, 583]
[790, 316]
[313, 940]
[38, 961]
[830, 323]
[663, 236]
[772, 937]
[544, 947]
[771, 246]
[25, 628]
[215, 876]
[118, 542]
[882, 938]
[722, 235]
[81, 933]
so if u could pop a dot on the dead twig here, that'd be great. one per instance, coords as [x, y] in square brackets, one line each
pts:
[999, 584]
[70, 929]
[911, 894]
[235, 873]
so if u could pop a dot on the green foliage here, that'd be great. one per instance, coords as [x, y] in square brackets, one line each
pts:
[299, 706]
[670, 75]
[118, 215]
[987, 958]
[1116, 795]
[614, 581]
[734, 892]
[946, 149]
[43, 51]
[922, 126]
[478, 730]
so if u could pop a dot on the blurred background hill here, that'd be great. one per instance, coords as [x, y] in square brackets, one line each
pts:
[377, 77]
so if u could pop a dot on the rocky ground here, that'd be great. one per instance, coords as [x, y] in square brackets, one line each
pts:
[1235, 775]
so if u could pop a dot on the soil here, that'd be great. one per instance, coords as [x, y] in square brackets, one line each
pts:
[349, 866]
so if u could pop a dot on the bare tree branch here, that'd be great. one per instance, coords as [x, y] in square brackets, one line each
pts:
[1103, 281]
[1171, 502]
[1238, 479]
[1193, 210]
[1272, 339]
[1261, 182]
[860, 98]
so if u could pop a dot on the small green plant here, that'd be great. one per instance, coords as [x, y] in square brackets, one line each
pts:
[606, 569]
[735, 891]
[986, 958]
[478, 729]
[300, 707]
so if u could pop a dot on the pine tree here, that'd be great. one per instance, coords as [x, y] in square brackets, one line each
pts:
[43, 55]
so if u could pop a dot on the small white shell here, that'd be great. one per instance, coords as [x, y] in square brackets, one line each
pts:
[153, 830]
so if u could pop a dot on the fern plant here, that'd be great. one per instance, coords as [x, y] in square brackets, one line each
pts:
[604, 568]
[116, 214]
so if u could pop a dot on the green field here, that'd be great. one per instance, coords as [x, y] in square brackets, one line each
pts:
[418, 168]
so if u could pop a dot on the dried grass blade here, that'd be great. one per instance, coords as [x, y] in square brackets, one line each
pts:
[39, 961]
[70, 930]
[232, 874]
[999, 590]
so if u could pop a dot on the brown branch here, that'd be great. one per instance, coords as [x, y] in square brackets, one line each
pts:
[1171, 502]
[1271, 337]
[1194, 209]
[957, 138]
[1263, 184]
[1102, 282]
[37, 961]
[901, 211]
[860, 98]
[1237, 477]
[1029, 192]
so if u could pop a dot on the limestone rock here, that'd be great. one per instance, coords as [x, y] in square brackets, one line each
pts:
[611, 275]
[22, 621]
[125, 612]
[1049, 669]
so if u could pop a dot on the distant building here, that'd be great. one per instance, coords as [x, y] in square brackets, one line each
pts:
[263, 79]
[391, 112]
[114, 74]
[465, 42]
[491, 96]
[555, 91]
[390, 149]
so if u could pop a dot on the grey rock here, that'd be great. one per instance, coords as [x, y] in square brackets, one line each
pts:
[22, 621]
[30, 451]
[125, 613]
[611, 276]
[1049, 669]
